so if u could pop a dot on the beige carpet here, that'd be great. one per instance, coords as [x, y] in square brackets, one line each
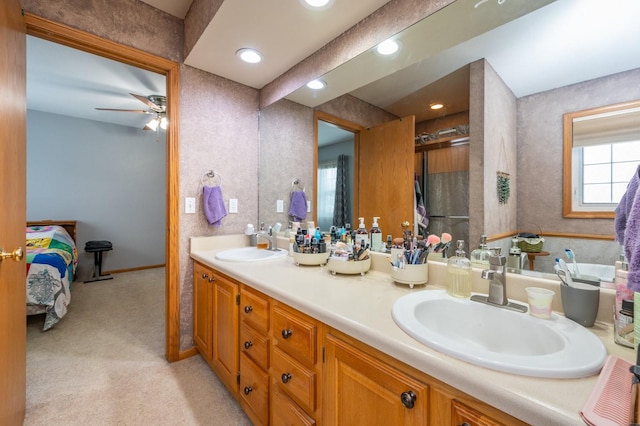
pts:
[104, 364]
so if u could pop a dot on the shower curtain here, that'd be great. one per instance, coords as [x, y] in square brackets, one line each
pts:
[342, 204]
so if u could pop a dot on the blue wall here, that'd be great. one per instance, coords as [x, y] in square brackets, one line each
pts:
[109, 178]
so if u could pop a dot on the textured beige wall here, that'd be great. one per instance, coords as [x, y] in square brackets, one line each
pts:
[287, 148]
[540, 150]
[128, 22]
[219, 132]
[499, 154]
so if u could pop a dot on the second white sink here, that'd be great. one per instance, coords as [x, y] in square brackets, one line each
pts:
[500, 339]
[249, 254]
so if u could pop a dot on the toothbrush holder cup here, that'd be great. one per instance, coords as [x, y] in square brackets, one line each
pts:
[580, 302]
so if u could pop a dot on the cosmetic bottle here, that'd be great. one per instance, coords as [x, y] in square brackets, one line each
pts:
[459, 273]
[480, 256]
[376, 236]
[362, 235]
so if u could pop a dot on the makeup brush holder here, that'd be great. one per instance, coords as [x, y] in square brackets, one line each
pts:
[411, 274]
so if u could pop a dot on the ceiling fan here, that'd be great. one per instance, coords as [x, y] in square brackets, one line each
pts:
[157, 107]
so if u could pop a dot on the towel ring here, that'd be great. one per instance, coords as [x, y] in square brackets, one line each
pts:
[217, 179]
[296, 184]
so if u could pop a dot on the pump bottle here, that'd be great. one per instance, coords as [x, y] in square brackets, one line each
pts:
[480, 256]
[376, 236]
[459, 273]
[362, 235]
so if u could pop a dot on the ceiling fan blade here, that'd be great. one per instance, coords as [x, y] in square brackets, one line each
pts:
[142, 111]
[147, 102]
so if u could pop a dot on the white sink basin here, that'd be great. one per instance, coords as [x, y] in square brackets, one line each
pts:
[594, 271]
[499, 339]
[250, 254]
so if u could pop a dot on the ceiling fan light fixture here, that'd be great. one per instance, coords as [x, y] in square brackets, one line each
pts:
[152, 125]
[164, 123]
[316, 84]
[249, 55]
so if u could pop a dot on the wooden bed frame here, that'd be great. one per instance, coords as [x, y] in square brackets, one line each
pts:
[68, 225]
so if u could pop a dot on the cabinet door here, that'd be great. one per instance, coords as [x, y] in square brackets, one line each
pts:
[225, 331]
[360, 389]
[202, 323]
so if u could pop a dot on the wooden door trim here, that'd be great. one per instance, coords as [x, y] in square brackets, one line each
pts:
[346, 125]
[65, 35]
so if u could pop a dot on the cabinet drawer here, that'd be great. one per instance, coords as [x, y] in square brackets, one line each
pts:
[255, 345]
[254, 309]
[285, 412]
[254, 388]
[462, 414]
[295, 335]
[294, 378]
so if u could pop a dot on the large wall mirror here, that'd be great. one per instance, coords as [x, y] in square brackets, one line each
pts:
[601, 154]
[545, 59]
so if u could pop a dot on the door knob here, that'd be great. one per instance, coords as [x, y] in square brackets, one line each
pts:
[15, 254]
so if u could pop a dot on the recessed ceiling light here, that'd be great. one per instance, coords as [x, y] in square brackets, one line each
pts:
[251, 56]
[316, 84]
[436, 105]
[317, 4]
[388, 47]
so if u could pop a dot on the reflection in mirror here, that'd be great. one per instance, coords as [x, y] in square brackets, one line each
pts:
[335, 175]
[601, 153]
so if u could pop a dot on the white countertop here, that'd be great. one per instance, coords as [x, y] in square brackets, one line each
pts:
[360, 306]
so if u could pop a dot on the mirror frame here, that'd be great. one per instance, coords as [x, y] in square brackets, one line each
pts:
[345, 125]
[567, 187]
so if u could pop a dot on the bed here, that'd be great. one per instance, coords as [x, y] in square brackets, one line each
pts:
[52, 258]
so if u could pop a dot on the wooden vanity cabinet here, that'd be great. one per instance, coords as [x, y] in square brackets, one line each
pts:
[296, 366]
[215, 311]
[365, 386]
[254, 346]
[287, 368]
[362, 389]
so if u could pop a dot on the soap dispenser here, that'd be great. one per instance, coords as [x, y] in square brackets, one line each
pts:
[459, 273]
[376, 236]
[362, 235]
[515, 255]
[480, 256]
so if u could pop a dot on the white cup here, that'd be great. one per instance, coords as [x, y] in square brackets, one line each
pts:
[540, 301]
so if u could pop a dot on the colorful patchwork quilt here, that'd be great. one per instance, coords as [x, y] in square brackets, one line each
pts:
[52, 259]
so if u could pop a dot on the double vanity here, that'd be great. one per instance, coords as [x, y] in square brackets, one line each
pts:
[298, 345]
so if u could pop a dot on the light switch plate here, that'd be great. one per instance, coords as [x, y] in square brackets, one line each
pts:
[233, 205]
[279, 206]
[189, 205]
[308, 206]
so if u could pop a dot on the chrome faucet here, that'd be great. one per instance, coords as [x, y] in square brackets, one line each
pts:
[498, 284]
[271, 234]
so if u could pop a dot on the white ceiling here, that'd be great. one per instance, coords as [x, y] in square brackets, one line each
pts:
[532, 54]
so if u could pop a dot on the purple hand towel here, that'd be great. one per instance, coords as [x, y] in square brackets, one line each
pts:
[624, 207]
[632, 241]
[298, 209]
[213, 202]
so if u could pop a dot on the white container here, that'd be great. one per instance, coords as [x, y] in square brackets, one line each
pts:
[411, 274]
[350, 267]
[310, 259]
[540, 300]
